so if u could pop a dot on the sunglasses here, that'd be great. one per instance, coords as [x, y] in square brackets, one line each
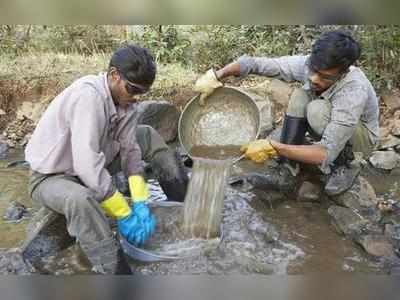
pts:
[133, 88]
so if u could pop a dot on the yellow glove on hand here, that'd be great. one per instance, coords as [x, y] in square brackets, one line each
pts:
[116, 206]
[206, 85]
[138, 188]
[258, 151]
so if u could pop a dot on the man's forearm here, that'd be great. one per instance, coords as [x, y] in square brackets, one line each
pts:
[233, 69]
[310, 154]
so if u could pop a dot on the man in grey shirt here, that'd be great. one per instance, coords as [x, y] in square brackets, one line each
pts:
[88, 132]
[337, 105]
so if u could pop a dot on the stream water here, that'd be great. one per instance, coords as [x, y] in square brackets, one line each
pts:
[259, 236]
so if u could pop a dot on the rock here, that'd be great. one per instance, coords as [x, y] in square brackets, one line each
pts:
[391, 100]
[31, 110]
[15, 212]
[309, 192]
[46, 235]
[389, 142]
[359, 159]
[276, 134]
[162, 116]
[396, 128]
[347, 221]
[392, 232]
[386, 160]
[3, 149]
[266, 116]
[361, 198]
[361, 195]
[13, 263]
[2, 112]
[260, 96]
[377, 245]
[279, 92]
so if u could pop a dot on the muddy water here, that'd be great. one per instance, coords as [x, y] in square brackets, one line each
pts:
[13, 183]
[259, 236]
[205, 197]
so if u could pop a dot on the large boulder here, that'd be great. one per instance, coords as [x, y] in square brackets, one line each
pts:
[279, 92]
[162, 116]
[259, 94]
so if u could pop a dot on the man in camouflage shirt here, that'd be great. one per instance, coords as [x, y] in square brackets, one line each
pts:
[337, 105]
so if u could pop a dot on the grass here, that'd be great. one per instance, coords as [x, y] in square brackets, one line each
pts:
[35, 68]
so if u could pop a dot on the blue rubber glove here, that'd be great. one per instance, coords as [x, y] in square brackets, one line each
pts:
[138, 226]
[146, 218]
[132, 230]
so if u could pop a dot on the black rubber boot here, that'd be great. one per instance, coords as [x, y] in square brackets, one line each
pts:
[344, 172]
[171, 174]
[122, 267]
[293, 130]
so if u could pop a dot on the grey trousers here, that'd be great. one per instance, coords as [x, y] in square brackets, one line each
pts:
[67, 195]
[318, 114]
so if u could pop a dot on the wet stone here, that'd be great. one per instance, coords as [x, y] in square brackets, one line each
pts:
[347, 221]
[3, 149]
[377, 245]
[15, 212]
[392, 232]
[13, 263]
[309, 192]
[361, 197]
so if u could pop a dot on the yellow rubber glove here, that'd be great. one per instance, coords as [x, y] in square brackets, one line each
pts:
[206, 85]
[138, 188]
[258, 151]
[116, 206]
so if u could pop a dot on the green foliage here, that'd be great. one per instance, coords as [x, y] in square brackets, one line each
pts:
[165, 43]
[381, 54]
[200, 47]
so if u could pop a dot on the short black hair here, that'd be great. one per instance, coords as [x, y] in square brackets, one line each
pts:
[334, 49]
[135, 63]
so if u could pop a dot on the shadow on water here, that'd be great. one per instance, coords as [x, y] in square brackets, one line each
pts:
[260, 236]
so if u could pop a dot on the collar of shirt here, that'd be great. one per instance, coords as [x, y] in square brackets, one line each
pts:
[110, 102]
